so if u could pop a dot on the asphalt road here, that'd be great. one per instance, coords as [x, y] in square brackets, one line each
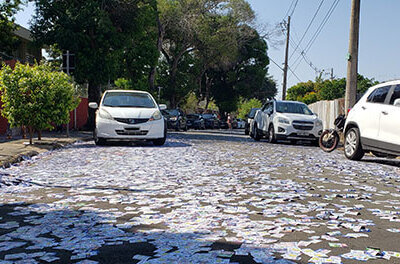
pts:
[204, 197]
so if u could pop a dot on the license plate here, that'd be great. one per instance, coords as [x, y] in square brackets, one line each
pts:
[303, 134]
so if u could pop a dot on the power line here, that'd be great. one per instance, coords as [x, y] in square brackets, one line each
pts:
[295, 75]
[290, 8]
[317, 32]
[308, 27]
[335, 4]
[294, 8]
[276, 64]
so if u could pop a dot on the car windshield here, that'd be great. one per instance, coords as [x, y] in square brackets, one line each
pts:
[293, 108]
[253, 112]
[128, 99]
[173, 112]
[208, 116]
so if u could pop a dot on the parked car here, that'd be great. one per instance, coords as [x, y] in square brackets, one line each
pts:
[241, 123]
[373, 124]
[223, 124]
[211, 121]
[250, 117]
[286, 120]
[195, 121]
[176, 119]
[129, 115]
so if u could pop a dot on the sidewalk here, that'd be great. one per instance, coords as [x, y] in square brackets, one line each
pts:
[14, 150]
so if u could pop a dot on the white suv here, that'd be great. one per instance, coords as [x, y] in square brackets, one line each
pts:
[286, 120]
[374, 123]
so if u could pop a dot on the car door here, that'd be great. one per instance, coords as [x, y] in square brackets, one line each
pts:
[389, 129]
[264, 120]
[370, 112]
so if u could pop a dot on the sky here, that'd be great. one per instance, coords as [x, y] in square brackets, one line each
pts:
[379, 55]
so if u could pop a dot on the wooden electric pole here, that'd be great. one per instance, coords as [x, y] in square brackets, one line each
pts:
[285, 68]
[352, 64]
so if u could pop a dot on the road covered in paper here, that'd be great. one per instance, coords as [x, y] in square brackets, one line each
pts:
[201, 198]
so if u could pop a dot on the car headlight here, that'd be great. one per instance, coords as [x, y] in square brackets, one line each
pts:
[174, 118]
[105, 114]
[319, 123]
[156, 116]
[283, 120]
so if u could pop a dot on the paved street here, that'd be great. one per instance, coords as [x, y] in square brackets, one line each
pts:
[201, 198]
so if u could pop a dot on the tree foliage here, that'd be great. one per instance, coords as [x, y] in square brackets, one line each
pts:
[105, 36]
[36, 96]
[245, 106]
[8, 40]
[311, 92]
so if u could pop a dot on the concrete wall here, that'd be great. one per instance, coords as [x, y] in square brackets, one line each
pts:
[327, 111]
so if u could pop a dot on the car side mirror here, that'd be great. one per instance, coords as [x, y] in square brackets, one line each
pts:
[247, 116]
[162, 107]
[93, 105]
[397, 102]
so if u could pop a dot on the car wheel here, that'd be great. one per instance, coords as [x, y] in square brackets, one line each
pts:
[98, 141]
[246, 132]
[178, 126]
[256, 135]
[160, 141]
[185, 128]
[352, 145]
[271, 134]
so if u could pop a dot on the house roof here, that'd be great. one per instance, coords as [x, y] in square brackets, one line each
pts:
[23, 33]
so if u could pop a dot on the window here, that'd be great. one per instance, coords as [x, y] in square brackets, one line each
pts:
[395, 95]
[293, 108]
[379, 95]
[128, 99]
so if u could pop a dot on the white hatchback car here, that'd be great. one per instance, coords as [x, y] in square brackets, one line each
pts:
[373, 124]
[129, 115]
[286, 120]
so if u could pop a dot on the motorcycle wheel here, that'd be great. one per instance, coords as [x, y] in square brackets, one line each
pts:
[328, 141]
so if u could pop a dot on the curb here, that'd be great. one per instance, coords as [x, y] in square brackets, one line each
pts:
[27, 155]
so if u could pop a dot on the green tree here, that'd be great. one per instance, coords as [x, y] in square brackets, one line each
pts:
[311, 92]
[206, 32]
[8, 40]
[248, 77]
[36, 96]
[246, 105]
[100, 33]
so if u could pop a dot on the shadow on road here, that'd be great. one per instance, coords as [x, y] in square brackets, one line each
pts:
[211, 137]
[168, 144]
[382, 161]
[49, 232]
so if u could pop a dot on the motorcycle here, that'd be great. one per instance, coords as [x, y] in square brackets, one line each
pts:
[329, 139]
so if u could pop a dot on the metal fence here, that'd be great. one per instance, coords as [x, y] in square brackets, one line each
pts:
[327, 111]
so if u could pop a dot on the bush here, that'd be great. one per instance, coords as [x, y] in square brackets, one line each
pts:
[246, 105]
[36, 96]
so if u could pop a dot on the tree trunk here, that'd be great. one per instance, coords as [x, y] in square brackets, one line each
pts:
[94, 93]
[200, 84]
[30, 135]
[39, 134]
[153, 72]
[172, 102]
[208, 86]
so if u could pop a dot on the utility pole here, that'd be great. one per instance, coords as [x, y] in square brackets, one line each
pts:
[352, 59]
[285, 68]
[332, 76]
